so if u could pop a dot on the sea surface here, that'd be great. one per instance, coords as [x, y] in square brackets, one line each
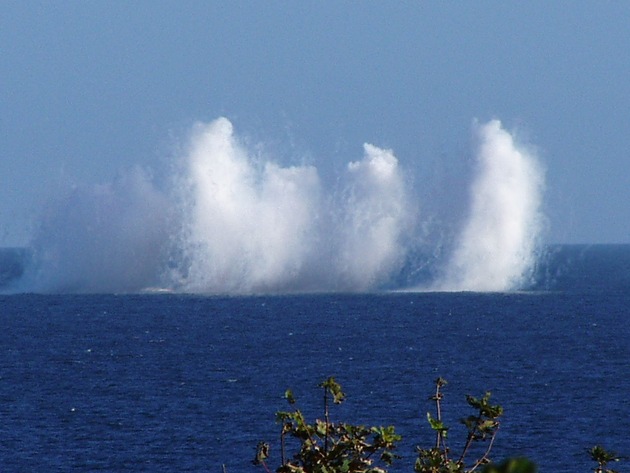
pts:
[191, 383]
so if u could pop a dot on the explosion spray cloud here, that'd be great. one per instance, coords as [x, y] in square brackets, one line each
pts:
[496, 250]
[252, 226]
[106, 238]
[235, 222]
[246, 228]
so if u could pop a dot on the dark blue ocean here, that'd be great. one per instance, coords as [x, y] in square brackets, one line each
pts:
[189, 383]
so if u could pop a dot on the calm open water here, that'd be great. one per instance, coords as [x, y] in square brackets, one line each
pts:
[173, 383]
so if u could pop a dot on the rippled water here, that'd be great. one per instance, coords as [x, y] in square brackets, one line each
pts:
[189, 383]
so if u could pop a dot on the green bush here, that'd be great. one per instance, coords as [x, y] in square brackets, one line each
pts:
[325, 446]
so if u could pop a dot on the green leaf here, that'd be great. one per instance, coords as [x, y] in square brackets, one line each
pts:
[437, 424]
[440, 382]
[333, 388]
[288, 395]
[512, 465]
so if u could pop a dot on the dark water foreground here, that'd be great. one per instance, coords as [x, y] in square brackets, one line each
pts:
[169, 383]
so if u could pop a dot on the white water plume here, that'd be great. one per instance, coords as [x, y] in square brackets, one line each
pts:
[497, 248]
[232, 221]
[251, 225]
[246, 227]
[375, 212]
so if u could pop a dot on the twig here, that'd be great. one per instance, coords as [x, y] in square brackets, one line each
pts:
[485, 456]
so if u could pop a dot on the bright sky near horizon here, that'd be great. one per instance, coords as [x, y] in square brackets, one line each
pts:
[88, 88]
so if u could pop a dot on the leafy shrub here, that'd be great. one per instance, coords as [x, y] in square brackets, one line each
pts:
[337, 447]
[327, 447]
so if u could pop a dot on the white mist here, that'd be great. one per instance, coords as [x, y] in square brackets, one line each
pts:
[247, 225]
[237, 222]
[251, 225]
[497, 248]
[104, 238]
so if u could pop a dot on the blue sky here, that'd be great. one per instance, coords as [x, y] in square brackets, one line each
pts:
[88, 88]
